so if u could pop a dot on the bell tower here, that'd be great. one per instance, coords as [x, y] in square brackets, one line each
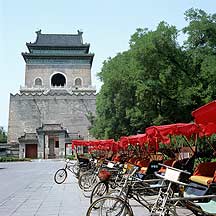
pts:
[53, 106]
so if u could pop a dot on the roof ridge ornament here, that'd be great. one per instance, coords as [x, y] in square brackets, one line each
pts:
[38, 32]
[80, 32]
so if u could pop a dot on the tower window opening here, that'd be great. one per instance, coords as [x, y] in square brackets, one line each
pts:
[38, 82]
[78, 82]
[58, 80]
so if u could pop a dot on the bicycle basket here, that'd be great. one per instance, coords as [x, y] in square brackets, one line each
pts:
[104, 175]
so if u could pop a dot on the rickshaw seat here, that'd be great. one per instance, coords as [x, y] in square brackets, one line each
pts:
[204, 180]
[205, 169]
[143, 163]
[204, 173]
[128, 167]
[143, 170]
[132, 160]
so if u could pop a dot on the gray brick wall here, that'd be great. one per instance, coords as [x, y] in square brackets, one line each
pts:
[28, 112]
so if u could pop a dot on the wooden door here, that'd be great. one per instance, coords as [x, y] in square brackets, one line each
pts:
[51, 148]
[31, 150]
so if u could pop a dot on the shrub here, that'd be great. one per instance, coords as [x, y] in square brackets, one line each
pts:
[70, 157]
[11, 159]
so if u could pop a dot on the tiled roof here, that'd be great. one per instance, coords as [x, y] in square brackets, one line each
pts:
[28, 136]
[56, 40]
[41, 55]
[51, 127]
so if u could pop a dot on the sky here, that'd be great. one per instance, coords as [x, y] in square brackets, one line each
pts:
[106, 24]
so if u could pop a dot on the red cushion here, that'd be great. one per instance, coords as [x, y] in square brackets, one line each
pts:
[142, 163]
[214, 177]
[132, 160]
[169, 162]
[117, 159]
[205, 169]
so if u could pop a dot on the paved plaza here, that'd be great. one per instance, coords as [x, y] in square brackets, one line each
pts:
[28, 188]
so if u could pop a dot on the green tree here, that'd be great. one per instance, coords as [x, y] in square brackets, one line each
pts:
[163, 74]
[116, 97]
[201, 47]
[157, 81]
[3, 136]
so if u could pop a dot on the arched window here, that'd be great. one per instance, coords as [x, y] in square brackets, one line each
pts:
[58, 80]
[38, 82]
[78, 82]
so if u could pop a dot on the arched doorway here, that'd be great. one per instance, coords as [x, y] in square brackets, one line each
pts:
[58, 80]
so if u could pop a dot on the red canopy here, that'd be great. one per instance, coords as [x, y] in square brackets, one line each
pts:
[159, 134]
[208, 129]
[162, 131]
[80, 142]
[205, 114]
[109, 144]
[187, 130]
[133, 140]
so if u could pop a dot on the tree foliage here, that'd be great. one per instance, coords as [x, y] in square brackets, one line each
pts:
[3, 136]
[157, 81]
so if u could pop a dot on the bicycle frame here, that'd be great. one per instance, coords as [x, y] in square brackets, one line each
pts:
[130, 190]
[167, 202]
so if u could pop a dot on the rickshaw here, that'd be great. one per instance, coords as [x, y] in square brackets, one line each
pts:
[168, 201]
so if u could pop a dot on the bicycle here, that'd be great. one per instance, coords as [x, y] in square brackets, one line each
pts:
[168, 203]
[118, 204]
[103, 187]
[61, 174]
[110, 176]
[89, 179]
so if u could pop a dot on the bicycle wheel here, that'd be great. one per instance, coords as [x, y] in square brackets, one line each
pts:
[87, 181]
[60, 176]
[109, 206]
[100, 189]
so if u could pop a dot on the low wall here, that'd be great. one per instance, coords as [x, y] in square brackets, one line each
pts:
[10, 150]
